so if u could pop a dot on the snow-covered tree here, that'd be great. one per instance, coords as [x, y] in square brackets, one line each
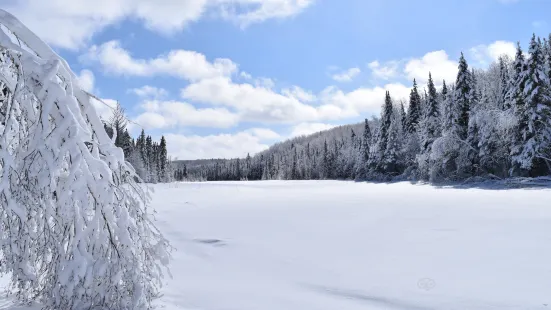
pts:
[462, 98]
[473, 128]
[363, 153]
[76, 230]
[532, 149]
[414, 110]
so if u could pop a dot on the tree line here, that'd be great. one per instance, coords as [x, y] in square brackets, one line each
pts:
[149, 158]
[490, 123]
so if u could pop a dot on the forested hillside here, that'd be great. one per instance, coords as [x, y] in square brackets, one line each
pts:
[491, 123]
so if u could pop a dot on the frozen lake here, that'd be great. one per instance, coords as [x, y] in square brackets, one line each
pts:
[327, 245]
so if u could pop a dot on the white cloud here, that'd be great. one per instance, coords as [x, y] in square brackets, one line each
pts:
[255, 11]
[71, 23]
[304, 129]
[184, 64]
[104, 109]
[362, 101]
[299, 94]
[256, 103]
[291, 105]
[347, 75]
[245, 75]
[214, 146]
[485, 54]
[437, 63]
[148, 91]
[86, 80]
[385, 72]
[165, 114]
[263, 133]
[264, 83]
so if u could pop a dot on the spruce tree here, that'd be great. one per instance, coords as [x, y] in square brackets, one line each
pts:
[447, 115]
[462, 98]
[533, 149]
[403, 115]
[414, 110]
[163, 172]
[384, 127]
[325, 161]
[431, 123]
[504, 83]
[363, 153]
[392, 154]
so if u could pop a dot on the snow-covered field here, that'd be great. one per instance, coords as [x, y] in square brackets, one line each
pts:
[327, 245]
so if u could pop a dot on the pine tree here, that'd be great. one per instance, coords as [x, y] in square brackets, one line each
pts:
[363, 153]
[532, 150]
[403, 115]
[462, 98]
[447, 108]
[391, 159]
[326, 161]
[431, 123]
[430, 129]
[414, 110]
[163, 172]
[504, 83]
[150, 162]
[384, 127]
[238, 173]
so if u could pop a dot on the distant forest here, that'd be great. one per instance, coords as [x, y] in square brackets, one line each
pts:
[489, 123]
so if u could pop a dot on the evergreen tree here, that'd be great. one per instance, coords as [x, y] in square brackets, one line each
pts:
[392, 154]
[403, 115]
[504, 83]
[447, 108]
[163, 172]
[462, 98]
[431, 123]
[414, 110]
[363, 160]
[384, 127]
[532, 150]
[326, 161]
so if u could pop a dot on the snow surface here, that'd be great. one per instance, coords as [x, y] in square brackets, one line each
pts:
[326, 245]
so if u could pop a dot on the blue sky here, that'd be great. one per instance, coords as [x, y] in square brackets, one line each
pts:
[220, 78]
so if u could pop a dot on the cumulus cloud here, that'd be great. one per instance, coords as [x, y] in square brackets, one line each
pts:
[437, 63]
[485, 54]
[165, 114]
[148, 91]
[71, 23]
[104, 108]
[214, 146]
[384, 71]
[292, 105]
[304, 129]
[86, 80]
[347, 75]
[263, 133]
[247, 12]
[255, 102]
[364, 100]
[184, 64]
[299, 94]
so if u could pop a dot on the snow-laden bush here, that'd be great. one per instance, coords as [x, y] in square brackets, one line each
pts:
[76, 230]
